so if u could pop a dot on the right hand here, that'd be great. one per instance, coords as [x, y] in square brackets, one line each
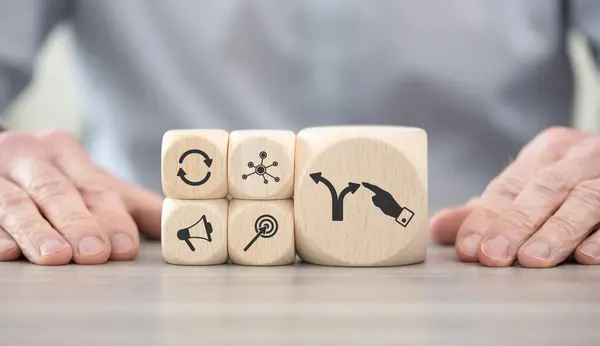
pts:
[57, 206]
[543, 207]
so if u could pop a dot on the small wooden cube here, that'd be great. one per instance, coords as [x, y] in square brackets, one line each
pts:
[194, 164]
[261, 164]
[361, 195]
[194, 232]
[261, 233]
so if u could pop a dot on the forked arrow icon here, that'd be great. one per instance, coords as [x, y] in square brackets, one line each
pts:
[337, 202]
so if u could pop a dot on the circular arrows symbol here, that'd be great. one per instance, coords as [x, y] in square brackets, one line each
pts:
[181, 174]
[207, 161]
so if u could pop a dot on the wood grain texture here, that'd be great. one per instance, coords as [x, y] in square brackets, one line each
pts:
[438, 302]
[194, 232]
[275, 246]
[261, 164]
[211, 169]
[361, 195]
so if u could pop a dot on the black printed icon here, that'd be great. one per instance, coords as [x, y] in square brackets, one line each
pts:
[184, 234]
[265, 226]
[261, 170]
[207, 161]
[388, 205]
[337, 202]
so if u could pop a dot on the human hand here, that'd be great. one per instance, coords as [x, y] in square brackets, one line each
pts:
[543, 207]
[56, 206]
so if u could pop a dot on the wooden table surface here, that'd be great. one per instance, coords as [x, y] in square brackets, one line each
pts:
[439, 302]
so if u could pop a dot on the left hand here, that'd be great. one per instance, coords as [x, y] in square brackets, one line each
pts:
[542, 208]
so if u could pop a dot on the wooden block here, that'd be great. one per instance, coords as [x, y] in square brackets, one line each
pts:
[261, 232]
[361, 195]
[261, 164]
[194, 164]
[194, 232]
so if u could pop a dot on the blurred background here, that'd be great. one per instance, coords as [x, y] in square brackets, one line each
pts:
[51, 101]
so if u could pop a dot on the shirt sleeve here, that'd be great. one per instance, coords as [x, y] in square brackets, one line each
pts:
[24, 24]
[585, 17]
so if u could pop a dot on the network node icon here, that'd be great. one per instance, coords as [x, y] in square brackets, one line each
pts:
[261, 170]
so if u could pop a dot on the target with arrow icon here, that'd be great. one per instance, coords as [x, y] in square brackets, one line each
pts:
[265, 227]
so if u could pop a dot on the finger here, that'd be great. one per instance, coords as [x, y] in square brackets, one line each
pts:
[9, 249]
[588, 252]
[21, 219]
[565, 230]
[98, 194]
[538, 201]
[374, 188]
[445, 224]
[145, 208]
[547, 148]
[497, 197]
[113, 217]
[63, 207]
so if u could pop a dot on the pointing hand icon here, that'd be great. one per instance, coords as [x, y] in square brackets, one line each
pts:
[384, 201]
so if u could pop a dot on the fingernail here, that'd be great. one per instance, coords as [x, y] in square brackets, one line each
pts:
[468, 245]
[6, 244]
[50, 246]
[90, 246]
[496, 248]
[121, 243]
[538, 249]
[591, 249]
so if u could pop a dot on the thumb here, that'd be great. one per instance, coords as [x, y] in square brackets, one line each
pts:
[145, 207]
[444, 226]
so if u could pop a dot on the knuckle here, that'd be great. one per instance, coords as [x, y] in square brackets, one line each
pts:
[593, 145]
[30, 225]
[586, 152]
[76, 222]
[27, 231]
[516, 221]
[478, 220]
[97, 192]
[12, 199]
[94, 184]
[551, 183]
[563, 229]
[508, 186]
[588, 194]
[47, 187]
[555, 136]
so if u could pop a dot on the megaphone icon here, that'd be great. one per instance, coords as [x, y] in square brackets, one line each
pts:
[185, 235]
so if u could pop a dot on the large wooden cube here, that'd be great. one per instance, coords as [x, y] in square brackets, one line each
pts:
[361, 195]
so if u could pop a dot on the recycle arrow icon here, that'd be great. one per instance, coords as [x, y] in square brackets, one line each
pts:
[207, 161]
